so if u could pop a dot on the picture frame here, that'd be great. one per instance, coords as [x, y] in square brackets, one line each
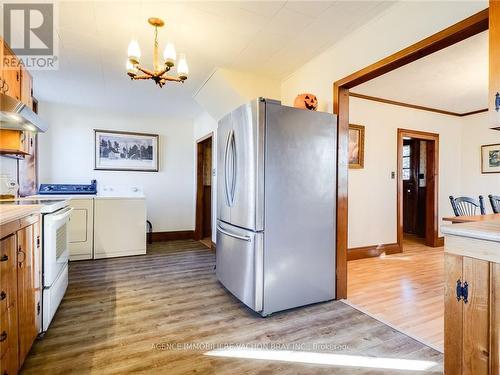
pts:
[356, 146]
[125, 151]
[490, 158]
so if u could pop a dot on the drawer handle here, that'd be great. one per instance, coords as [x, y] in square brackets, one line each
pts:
[3, 336]
[4, 258]
[3, 295]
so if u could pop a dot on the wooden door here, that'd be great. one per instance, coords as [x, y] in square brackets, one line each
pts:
[26, 88]
[453, 315]
[8, 306]
[410, 185]
[26, 280]
[494, 61]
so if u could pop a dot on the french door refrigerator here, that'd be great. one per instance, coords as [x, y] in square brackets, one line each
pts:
[276, 205]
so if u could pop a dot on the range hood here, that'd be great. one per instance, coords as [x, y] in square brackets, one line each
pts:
[17, 116]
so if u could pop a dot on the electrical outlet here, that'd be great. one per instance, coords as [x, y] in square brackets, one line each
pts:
[393, 175]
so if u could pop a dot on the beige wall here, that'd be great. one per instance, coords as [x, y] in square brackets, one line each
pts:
[372, 192]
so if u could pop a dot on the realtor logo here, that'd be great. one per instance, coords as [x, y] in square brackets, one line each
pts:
[29, 30]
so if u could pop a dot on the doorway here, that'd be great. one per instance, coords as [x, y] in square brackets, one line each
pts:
[203, 227]
[418, 177]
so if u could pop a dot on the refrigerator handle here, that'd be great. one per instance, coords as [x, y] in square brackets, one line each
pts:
[234, 167]
[226, 150]
[244, 238]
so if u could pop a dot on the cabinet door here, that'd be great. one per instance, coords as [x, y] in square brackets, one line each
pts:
[26, 290]
[8, 305]
[476, 317]
[494, 60]
[495, 319]
[12, 82]
[80, 229]
[453, 310]
[26, 88]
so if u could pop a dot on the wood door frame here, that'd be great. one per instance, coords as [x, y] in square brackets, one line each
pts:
[200, 196]
[432, 187]
[462, 30]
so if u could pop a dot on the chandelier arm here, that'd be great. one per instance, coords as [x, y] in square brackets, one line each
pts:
[162, 72]
[170, 78]
[145, 71]
[142, 77]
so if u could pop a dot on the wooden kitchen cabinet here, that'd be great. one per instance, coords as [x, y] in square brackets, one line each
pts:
[26, 87]
[26, 278]
[8, 306]
[17, 142]
[10, 73]
[494, 62]
[20, 266]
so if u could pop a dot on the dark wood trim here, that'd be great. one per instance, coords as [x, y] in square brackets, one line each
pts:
[373, 251]
[432, 185]
[474, 112]
[198, 231]
[456, 33]
[414, 106]
[173, 235]
[204, 138]
[462, 30]
[341, 108]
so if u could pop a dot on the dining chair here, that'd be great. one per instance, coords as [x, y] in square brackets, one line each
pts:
[465, 206]
[495, 203]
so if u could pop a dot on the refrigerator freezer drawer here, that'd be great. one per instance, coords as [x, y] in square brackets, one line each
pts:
[239, 260]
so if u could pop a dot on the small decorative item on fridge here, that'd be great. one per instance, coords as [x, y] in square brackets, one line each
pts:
[306, 101]
[125, 151]
[356, 146]
[490, 158]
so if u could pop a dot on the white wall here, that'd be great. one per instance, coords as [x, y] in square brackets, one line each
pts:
[67, 156]
[372, 191]
[476, 132]
[397, 27]
[204, 124]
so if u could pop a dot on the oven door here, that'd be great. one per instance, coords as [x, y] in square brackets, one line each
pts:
[55, 244]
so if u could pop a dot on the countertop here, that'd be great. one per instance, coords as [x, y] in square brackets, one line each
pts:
[488, 230]
[10, 213]
[479, 240]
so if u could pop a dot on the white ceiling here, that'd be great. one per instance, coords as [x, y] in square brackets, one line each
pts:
[265, 37]
[454, 79]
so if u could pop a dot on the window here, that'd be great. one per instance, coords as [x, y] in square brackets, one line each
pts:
[406, 162]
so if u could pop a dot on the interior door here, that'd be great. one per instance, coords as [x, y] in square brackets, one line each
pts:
[246, 167]
[224, 131]
[240, 263]
[410, 185]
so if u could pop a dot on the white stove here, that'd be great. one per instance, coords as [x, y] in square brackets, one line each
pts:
[55, 215]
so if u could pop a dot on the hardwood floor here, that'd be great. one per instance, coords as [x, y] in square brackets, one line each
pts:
[405, 290]
[128, 315]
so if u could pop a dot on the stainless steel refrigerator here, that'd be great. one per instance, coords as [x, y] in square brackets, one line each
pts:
[276, 168]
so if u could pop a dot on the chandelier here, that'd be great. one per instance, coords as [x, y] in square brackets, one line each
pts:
[160, 70]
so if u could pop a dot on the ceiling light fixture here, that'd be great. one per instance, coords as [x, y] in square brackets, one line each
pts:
[159, 72]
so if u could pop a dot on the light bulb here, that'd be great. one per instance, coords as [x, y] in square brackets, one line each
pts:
[131, 69]
[182, 67]
[134, 51]
[169, 54]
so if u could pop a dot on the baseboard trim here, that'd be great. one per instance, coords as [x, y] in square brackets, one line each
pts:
[213, 246]
[440, 242]
[173, 235]
[372, 251]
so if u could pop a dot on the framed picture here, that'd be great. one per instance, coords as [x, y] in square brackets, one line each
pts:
[356, 146]
[490, 158]
[125, 151]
